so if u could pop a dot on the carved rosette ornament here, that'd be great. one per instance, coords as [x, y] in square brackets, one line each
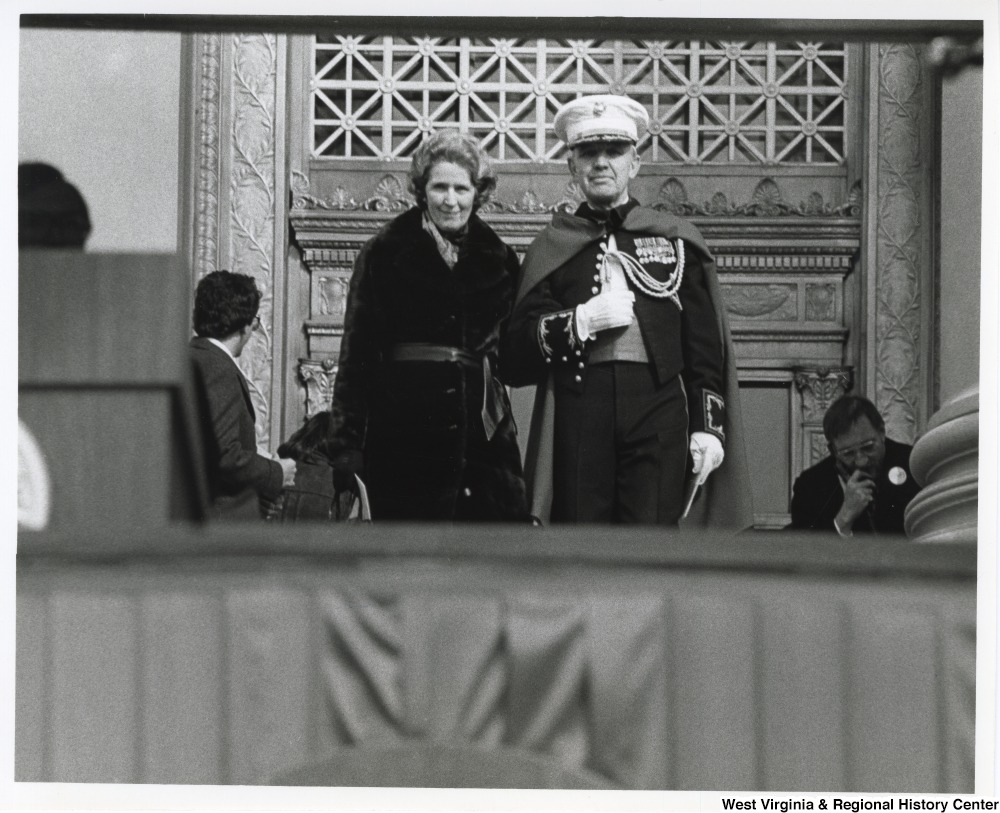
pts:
[902, 220]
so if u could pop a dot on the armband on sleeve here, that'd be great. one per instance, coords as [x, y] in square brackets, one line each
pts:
[713, 415]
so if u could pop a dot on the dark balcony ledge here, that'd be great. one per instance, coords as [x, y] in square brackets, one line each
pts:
[607, 547]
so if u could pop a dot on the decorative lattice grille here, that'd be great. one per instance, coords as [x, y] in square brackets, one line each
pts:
[709, 102]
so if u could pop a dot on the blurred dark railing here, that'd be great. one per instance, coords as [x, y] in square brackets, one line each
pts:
[211, 654]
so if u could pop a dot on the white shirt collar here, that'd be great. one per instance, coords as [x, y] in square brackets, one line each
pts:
[224, 349]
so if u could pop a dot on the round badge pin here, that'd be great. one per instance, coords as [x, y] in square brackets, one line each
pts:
[897, 475]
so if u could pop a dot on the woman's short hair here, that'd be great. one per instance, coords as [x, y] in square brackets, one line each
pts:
[847, 411]
[453, 147]
[224, 303]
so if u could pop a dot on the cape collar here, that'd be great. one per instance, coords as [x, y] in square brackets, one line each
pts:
[611, 219]
[569, 234]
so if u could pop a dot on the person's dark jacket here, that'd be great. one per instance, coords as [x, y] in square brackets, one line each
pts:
[237, 473]
[418, 423]
[818, 495]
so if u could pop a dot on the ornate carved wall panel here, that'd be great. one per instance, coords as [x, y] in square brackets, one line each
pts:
[238, 183]
[899, 235]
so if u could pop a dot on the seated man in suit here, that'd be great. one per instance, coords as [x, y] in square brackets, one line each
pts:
[864, 485]
[225, 316]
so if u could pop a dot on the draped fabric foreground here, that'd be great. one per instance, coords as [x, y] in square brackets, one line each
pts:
[584, 681]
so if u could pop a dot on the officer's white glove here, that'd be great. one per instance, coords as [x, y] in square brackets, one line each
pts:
[606, 310]
[707, 453]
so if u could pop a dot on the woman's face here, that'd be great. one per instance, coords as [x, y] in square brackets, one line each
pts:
[450, 195]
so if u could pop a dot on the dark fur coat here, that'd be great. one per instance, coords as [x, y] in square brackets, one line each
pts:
[418, 424]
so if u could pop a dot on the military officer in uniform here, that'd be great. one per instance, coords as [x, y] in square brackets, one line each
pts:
[618, 322]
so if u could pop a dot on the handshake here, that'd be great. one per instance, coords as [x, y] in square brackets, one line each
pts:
[606, 310]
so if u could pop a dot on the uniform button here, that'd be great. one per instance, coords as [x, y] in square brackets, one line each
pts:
[565, 359]
[548, 359]
[597, 277]
[451, 390]
[580, 365]
[594, 290]
[579, 378]
[467, 492]
[579, 352]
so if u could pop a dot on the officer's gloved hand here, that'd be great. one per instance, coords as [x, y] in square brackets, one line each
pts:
[606, 310]
[707, 454]
[345, 466]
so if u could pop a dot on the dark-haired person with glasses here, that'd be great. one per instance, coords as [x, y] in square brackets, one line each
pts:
[239, 477]
[864, 485]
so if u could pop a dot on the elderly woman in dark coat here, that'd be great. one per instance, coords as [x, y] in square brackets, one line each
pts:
[419, 410]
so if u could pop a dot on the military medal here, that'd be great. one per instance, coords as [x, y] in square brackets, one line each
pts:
[655, 250]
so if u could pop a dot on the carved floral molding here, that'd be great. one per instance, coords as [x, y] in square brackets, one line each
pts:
[252, 202]
[820, 388]
[235, 215]
[207, 181]
[899, 240]
[767, 200]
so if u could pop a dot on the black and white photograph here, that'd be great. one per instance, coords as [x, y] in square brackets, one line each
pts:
[421, 403]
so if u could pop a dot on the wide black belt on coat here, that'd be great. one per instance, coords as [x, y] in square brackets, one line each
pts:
[419, 351]
[494, 396]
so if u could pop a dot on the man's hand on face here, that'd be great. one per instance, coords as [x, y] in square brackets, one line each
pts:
[859, 491]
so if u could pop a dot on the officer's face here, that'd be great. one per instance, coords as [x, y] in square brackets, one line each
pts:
[603, 170]
[450, 195]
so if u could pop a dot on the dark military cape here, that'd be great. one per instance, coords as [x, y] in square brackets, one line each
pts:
[725, 499]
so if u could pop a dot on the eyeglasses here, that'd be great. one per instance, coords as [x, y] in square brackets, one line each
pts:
[852, 454]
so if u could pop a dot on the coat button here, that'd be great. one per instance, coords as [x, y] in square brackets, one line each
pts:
[467, 492]
[565, 359]
[581, 365]
[578, 378]
[579, 353]
[548, 359]
[594, 290]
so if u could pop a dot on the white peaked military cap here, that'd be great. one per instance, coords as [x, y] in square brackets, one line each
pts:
[601, 118]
